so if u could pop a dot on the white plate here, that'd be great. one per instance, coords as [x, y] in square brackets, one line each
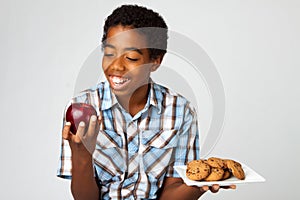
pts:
[251, 177]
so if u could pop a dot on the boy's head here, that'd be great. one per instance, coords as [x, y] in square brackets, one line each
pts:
[134, 16]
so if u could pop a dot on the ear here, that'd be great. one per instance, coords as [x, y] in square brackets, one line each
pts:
[154, 67]
[156, 63]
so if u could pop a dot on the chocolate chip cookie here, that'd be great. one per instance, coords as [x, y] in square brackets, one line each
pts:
[215, 174]
[216, 162]
[197, 170]
[236, 169]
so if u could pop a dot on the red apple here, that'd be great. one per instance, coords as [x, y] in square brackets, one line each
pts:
[78, 112]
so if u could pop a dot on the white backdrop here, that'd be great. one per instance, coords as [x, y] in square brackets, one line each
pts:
[254, 45]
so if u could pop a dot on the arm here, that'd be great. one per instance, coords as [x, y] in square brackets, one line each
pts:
[83, 184]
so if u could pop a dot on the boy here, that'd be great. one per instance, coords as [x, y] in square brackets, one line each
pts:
[143, 129]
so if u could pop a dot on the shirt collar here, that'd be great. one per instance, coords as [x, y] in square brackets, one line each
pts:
[155, 96]
[109, 99]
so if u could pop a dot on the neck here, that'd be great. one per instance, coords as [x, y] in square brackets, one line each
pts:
[136, 101]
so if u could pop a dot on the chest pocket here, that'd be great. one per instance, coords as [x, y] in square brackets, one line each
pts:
[109, 139]
[109, 156]
[157, 155]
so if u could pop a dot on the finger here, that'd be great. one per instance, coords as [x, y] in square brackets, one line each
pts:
[229, 187]
[232, 187]
[66, 134]
[204, 188]
[214, 188]
[93, 126]
[80, 132]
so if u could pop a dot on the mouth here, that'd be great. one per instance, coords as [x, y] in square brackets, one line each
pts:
[118, 82]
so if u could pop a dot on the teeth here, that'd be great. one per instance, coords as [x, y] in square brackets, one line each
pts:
[119, 80]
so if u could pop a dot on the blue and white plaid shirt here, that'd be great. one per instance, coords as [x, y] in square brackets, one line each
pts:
[134, 154]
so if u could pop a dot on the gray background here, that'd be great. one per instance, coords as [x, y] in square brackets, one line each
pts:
[254, 45]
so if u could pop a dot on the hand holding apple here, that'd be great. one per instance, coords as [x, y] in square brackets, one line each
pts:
[78, 112]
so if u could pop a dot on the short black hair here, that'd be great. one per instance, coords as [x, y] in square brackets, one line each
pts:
[141, 17]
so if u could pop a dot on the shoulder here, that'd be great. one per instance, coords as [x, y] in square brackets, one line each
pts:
[167, 91]
[166, 94]
[97, 91]
[93, 95]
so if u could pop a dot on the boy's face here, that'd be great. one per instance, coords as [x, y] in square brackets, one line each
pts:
[126, 62]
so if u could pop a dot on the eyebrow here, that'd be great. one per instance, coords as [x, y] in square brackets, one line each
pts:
[126, 49]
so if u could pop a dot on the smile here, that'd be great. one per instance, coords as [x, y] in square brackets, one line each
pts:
[118, 82]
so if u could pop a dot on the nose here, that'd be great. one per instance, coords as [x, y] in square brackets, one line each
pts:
[118, 64]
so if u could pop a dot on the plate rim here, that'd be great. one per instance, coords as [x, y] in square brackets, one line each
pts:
[257, 179]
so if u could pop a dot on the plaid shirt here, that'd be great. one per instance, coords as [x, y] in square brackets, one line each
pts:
[134, 154]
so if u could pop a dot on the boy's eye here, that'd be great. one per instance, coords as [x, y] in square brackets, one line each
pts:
[108, 54]
[132, 59]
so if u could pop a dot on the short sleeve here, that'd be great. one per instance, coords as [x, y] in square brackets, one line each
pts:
[65, 162]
